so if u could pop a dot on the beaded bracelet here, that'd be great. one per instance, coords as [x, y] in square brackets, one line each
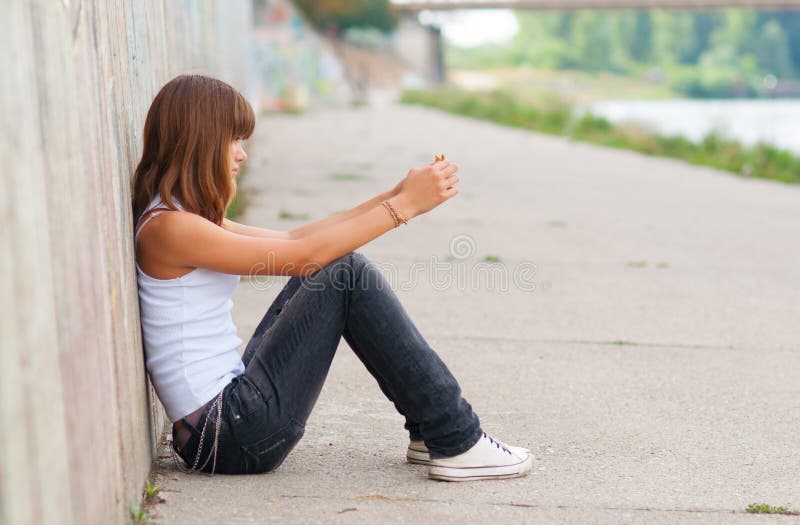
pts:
[398, 218]
[392, 213]
[399, 215]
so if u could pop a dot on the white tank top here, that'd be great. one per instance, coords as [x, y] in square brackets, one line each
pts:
[190, 341]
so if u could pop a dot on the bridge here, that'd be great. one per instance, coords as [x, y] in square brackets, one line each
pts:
[418, 5]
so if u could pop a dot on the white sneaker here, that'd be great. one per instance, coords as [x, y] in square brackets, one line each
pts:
[417, 452]
[487, 459]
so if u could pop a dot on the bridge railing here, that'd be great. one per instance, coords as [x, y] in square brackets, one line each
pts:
[418, 5]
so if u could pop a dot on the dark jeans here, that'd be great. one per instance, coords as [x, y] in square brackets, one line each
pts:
[290, 353]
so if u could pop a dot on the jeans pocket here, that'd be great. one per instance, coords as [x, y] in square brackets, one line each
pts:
[245, 398]
[268, 453]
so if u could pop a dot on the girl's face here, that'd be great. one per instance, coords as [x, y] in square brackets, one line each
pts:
[236, 156]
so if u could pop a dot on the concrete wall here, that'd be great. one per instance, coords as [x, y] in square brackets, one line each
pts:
[78, 421]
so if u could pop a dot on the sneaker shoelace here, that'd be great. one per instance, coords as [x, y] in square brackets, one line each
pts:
[496, 443]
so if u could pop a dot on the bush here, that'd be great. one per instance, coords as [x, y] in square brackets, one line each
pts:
[556, 117]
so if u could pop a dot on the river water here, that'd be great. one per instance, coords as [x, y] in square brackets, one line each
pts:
[776, 122]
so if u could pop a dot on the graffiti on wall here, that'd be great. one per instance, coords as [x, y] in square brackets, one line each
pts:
[295, 67]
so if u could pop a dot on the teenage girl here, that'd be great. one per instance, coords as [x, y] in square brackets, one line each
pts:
[243, 414]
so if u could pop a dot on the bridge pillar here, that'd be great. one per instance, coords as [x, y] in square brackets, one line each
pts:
[421, 47]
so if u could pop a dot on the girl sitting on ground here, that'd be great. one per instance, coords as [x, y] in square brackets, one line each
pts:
[243, 414]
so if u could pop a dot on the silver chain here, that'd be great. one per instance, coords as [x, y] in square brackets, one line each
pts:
[218, 405]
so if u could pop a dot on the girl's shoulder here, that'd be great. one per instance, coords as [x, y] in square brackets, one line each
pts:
[156, 207]
[162, 234]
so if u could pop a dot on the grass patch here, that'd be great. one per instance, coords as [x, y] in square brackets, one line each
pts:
[557, 117]
[236, 207]
[492, 259]
[289, 216]
[621, 342]
[764, 508]
[580, 86]
[287, 110]
[239, 202]
[140, 512]
[347, 176]
[637, 264]
[151, 490]
[139, 515]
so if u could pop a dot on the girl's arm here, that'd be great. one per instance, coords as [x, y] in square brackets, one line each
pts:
[308, 229]
[252, 231]
[305, 230]
[181, 239]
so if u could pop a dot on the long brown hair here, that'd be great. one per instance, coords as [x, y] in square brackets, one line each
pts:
[187, 137]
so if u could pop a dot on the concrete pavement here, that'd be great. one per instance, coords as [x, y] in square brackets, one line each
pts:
[644, 346]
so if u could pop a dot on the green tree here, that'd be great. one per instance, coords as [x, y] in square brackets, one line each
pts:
[737, 32]
[537, 41]
[714, 53]
[343, 14]
[565, 25]
[642, 42]
[772, 50]
[703, 23]
[624, 26]
[592, 39]
[790, 23]
[672, 36]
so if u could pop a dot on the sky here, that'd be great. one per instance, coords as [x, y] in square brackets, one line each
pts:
[473, 27]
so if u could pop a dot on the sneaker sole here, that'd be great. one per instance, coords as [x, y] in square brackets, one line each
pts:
[421, 457]
[516, 470]
[418, 457]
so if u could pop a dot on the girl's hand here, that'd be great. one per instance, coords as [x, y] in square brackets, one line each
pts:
[425, 188]
[397, 189]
